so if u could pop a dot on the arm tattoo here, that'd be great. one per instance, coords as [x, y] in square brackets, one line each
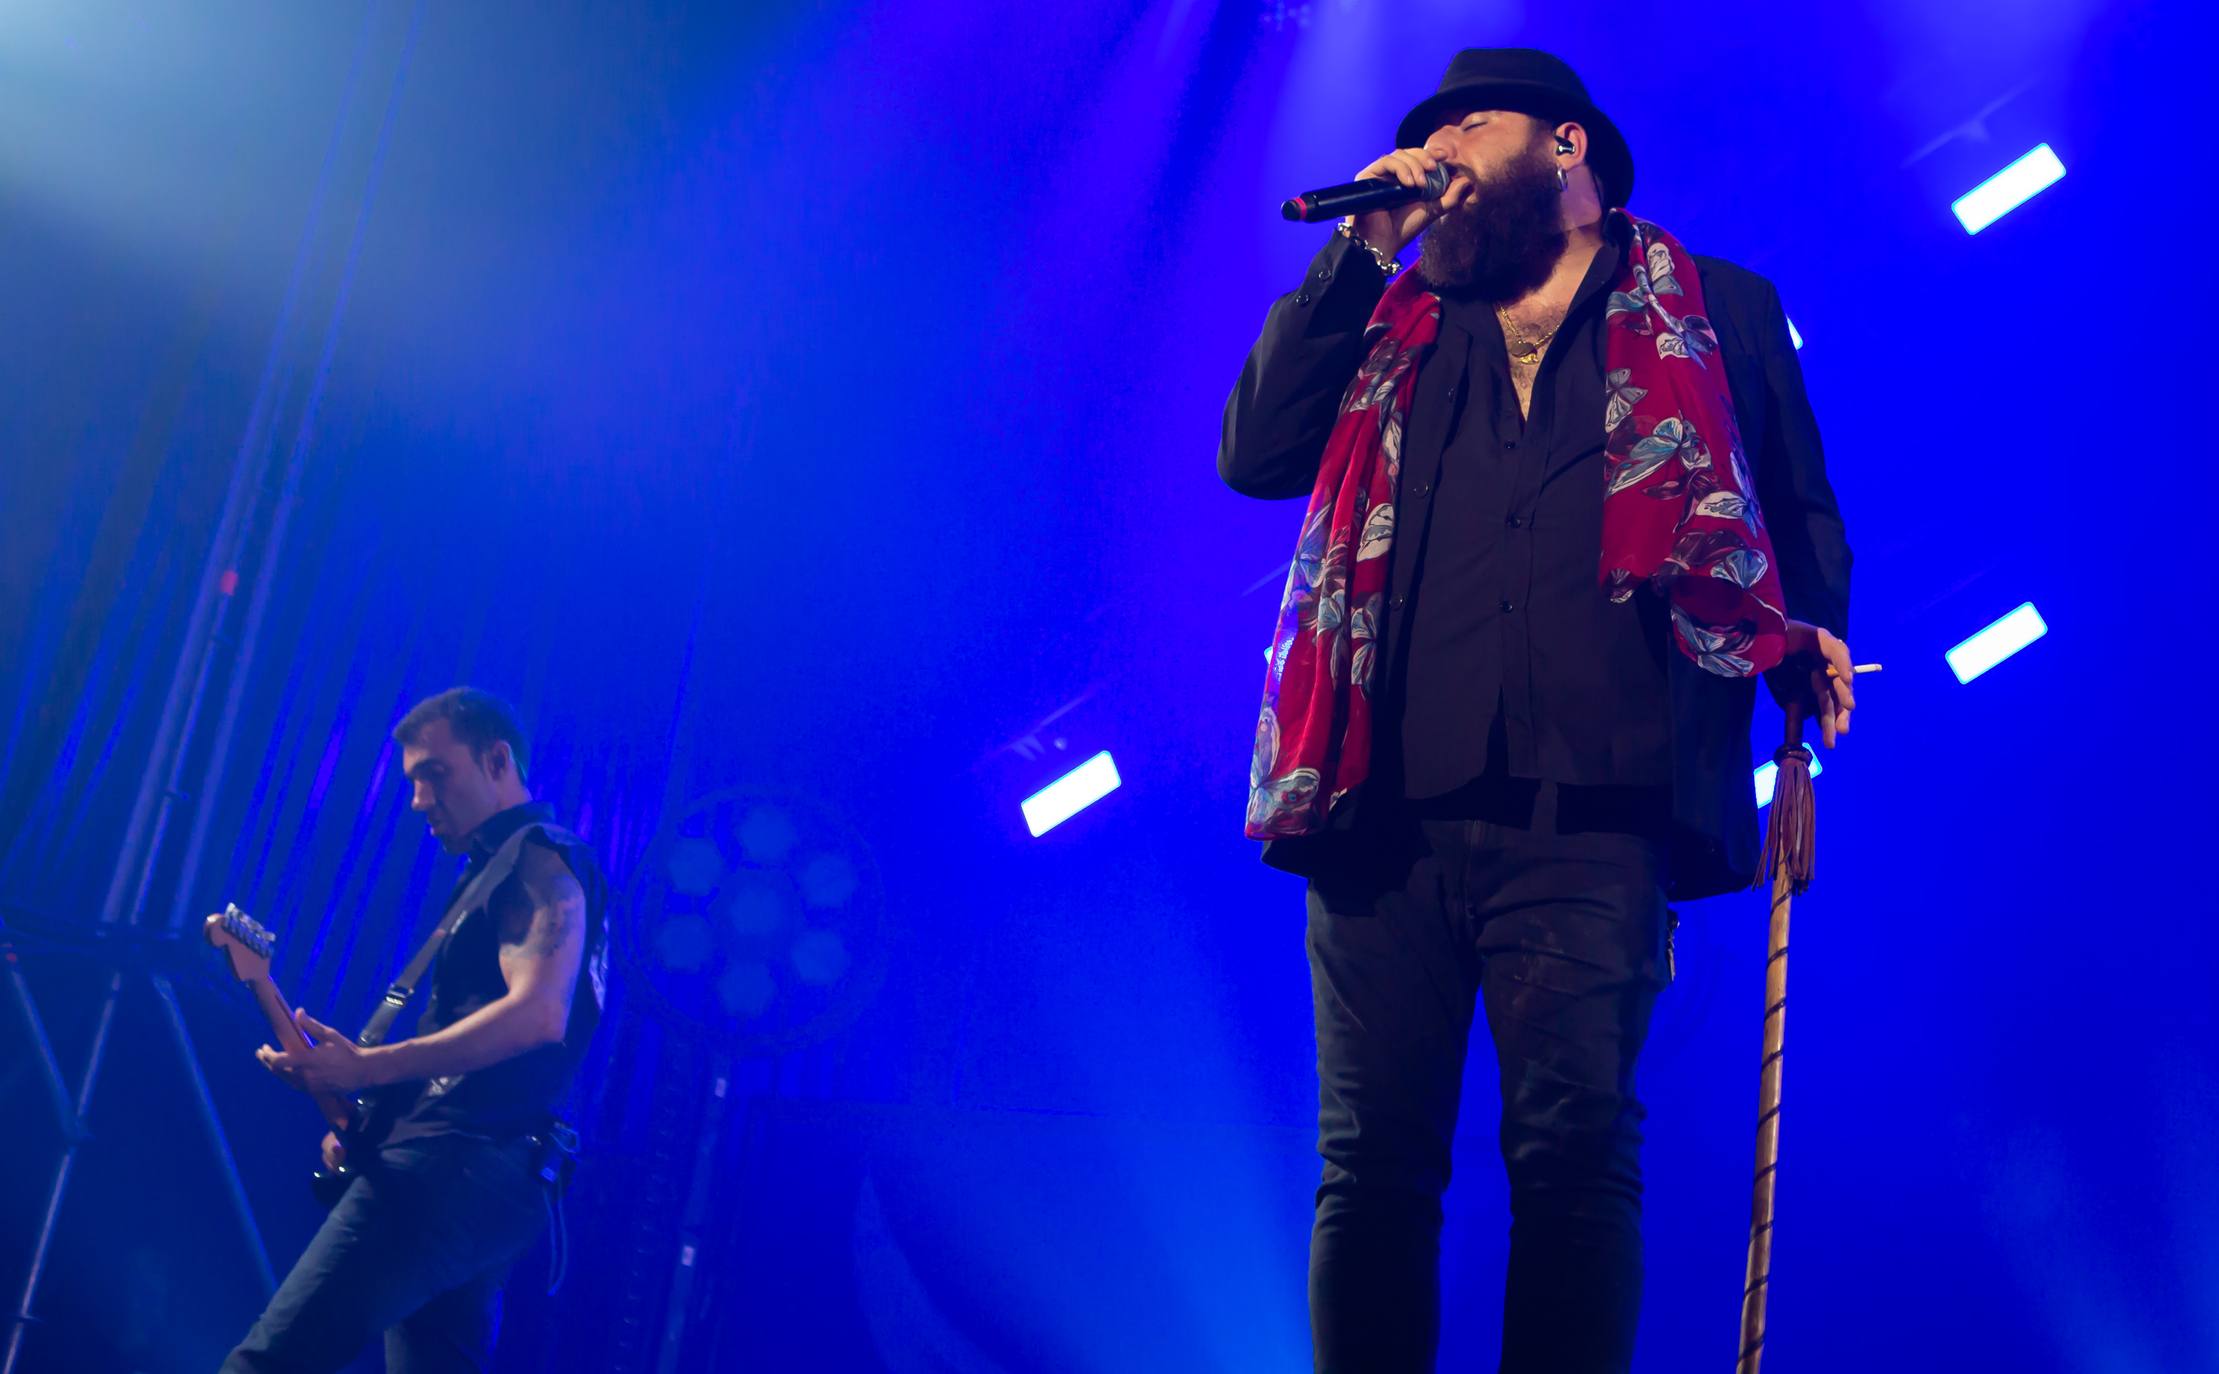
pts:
[557, 904]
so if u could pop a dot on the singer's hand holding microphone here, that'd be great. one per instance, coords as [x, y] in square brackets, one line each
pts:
[1391, 201]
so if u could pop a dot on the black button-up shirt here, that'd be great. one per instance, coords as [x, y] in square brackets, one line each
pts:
[1277, 421]
[1504, 654]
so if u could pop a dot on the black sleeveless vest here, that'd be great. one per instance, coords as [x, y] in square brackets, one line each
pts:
[516, 1096]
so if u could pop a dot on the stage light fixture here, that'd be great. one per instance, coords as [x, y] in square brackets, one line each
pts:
[1768, 778]
[1985, 649]
[2008, 189]
[757, 920]
[1070, 794]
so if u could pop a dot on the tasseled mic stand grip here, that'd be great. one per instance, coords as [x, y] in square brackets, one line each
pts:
[1792, 832]
[1790, 837]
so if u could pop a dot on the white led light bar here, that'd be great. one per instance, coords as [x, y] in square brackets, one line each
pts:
[2008, 189]
[1984, 650]
[1070, 794]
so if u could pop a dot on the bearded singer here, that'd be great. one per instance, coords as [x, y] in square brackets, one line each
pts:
[1566, 503]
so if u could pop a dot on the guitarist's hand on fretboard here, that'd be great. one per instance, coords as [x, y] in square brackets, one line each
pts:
[315, 1068]
[248, 947]
[324, 1062]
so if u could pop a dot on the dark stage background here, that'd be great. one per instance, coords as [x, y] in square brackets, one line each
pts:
[792, 406]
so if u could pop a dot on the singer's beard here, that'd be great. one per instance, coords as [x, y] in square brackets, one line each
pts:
[1504, 241]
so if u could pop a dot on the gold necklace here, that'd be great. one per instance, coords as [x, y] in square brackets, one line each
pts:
[1526, 351]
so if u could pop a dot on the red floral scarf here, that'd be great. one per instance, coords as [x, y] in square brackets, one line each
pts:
[1679, 512]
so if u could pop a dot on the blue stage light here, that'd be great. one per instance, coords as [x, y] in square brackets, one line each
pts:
[1997, 642]
[1070, 794]
[1768, 778]
[2008, 189]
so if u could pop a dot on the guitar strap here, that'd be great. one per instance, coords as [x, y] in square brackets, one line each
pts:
[472, 894]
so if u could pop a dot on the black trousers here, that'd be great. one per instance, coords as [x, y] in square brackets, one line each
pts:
[416, 1249]
[1545, 906]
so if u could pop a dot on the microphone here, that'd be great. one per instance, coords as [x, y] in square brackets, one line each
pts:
[1356, 197]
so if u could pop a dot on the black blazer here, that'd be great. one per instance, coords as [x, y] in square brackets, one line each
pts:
[1281, 412]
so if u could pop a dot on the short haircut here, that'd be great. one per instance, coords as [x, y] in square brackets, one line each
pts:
[478, 719]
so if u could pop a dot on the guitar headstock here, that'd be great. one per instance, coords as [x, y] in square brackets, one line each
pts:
[244, 942]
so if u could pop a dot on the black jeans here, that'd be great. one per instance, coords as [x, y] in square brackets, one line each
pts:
[1548, 908]
[417, 1249]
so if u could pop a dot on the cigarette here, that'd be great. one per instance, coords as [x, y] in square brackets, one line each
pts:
[1860, 669]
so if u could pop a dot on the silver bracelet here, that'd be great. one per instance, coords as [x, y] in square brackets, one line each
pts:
[1387, 266]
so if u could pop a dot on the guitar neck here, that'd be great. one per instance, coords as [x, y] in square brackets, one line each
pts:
[335, 1109]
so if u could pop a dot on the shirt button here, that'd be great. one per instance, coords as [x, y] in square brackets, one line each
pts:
[1512, 444]
[1505, 604]
[1394, 603]
[1421, 491]
[1325, 274]
[1513, 522]
[1301, 298]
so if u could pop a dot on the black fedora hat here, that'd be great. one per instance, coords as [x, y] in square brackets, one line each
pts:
[1530, 82]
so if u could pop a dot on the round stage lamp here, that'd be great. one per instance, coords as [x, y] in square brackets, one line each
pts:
[757, 920]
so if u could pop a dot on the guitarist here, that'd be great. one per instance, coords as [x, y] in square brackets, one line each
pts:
[446, 1187]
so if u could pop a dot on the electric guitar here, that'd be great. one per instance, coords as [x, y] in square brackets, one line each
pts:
[248, 948]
